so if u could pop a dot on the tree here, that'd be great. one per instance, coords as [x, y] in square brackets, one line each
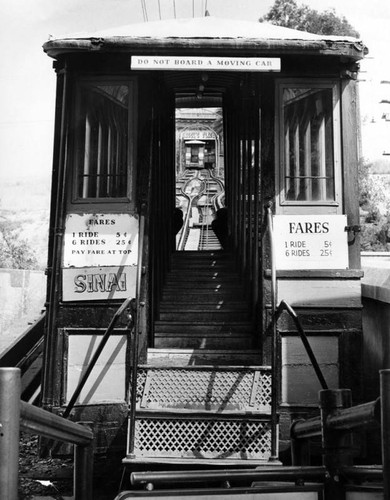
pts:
[15, 253]
[289, 14]
[375, 210]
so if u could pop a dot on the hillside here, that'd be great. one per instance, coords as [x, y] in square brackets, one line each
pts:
[25, 204]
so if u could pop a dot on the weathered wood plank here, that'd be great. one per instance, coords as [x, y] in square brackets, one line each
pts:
[317, 273]
[320, 293]
[349, 103]
[185, 357]
[300, 385]
[322, 320]
[107, 381]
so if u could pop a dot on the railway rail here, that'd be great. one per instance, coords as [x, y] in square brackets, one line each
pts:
[202, 191]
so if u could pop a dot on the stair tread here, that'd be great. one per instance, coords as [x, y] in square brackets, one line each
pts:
[195, 316]
[180, 322]
[203, 303]
[192, 461]
[217, 414]
[200, 357]
[207, 367]
[209, 307]
[190, 332]
[204, 351]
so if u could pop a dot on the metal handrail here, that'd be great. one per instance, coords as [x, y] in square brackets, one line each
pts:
[186, 222]
[284, 306]
[185, 227]
[346, 419]
[337, 421]
[16, 415]
[275, 340]
[270, 227]
[264, 473]
[136, 332]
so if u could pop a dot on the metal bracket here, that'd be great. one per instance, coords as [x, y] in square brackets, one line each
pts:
[255, 386]
[353, 229]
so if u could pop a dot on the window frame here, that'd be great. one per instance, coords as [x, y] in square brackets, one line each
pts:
[108, 202]
[307, 206]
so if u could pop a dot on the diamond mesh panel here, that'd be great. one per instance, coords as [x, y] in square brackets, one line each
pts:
[196, 438]
[204, 389]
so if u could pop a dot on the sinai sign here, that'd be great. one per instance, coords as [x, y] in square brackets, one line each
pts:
[100, 257]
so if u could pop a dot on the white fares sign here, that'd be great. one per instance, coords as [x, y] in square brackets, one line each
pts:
[93, 240]
[100, 257]
[191, 63]
[310, 242]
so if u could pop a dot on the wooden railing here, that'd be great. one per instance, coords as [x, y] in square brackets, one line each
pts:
[16, 415]
[136, 332]
[26, 354]
[335, 424]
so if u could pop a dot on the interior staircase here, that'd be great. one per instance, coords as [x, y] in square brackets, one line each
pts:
[203, 305]
[203, 396]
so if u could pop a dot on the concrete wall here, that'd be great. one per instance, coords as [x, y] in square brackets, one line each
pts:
[22, 298]
[376, 320]
[376, 335]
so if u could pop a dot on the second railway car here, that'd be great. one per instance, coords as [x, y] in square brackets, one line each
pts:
[188, 365]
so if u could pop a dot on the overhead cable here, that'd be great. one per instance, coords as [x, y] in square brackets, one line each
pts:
[144, 10]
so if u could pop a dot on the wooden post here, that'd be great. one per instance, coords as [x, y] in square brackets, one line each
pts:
[10, 386]
[300, 448]
[337, 449]
[385, 417]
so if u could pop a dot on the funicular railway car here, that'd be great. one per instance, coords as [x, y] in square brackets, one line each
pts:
[191, 372]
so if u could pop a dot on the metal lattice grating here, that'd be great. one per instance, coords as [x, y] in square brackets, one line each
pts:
[208, 389]
[202, 438]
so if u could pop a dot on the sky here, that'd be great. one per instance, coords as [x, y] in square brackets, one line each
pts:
[27, 80]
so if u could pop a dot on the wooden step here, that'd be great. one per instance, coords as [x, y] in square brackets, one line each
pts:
[191, 340]
[221, 389]
[201, 255]
[178, 275]
[207, 285]
[204, 327]
[211, 273]
[206, 305]
[210, 263]
[194, 310]
[217, 357]
[204, 295]
[194, 315]
[197, 436]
